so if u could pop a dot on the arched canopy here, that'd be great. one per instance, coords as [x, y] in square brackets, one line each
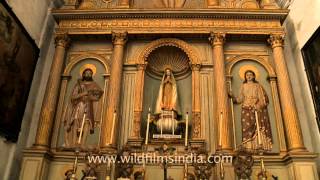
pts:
[77, 59]
[263, 62]
[189, 50]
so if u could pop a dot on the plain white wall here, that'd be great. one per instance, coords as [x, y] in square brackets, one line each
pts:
[32, 14]
[301, 23]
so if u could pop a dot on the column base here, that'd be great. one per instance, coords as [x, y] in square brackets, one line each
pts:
[298, 150]
[135, 142]
[302, 166]
[197, 143]
[35, 164]
[227, 150]
[303, 171]
[40, 147]
[109, 149]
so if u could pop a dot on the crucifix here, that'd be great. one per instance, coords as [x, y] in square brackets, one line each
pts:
[163, 151]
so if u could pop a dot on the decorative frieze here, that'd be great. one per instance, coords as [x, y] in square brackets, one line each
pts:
[153, 25]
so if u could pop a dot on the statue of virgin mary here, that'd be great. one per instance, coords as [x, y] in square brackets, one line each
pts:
[168, 96]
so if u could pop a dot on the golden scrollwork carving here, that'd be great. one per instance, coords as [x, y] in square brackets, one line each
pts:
[145, 25]
[276, 40]
[119, 38]
[217, 38]
[62, 40]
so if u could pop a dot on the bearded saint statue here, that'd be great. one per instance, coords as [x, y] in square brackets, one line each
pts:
[80, 113]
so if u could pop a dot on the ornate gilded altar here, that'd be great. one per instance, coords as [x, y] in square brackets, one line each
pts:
[205, 43]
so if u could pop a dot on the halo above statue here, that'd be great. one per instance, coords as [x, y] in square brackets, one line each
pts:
[88, 66]
[246, 68]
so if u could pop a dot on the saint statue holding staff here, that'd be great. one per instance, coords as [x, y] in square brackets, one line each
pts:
[254, 113]
[79, 119]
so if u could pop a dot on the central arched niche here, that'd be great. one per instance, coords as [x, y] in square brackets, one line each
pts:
[157, 61]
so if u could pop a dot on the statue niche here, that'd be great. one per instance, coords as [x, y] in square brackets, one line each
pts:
[253, 110]
[167, 92]
[81, 113]
[254, 113]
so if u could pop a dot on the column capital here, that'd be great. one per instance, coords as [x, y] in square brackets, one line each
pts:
[276, 40]
[229, 78]
[119, 38]
[195, 67]
[62, 40]
[141, 67]
[217, 38]
[272, 78]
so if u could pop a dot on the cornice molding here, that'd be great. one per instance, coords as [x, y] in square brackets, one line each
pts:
[67, 14]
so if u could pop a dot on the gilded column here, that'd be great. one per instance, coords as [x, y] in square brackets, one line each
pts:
[110, 122]
[277, 112]
[217, 40]
[48, 108]
[213, 3]
[289, 111]
[196, 113]
[138, 99]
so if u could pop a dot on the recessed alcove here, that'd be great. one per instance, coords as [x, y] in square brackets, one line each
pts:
[158, 60]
